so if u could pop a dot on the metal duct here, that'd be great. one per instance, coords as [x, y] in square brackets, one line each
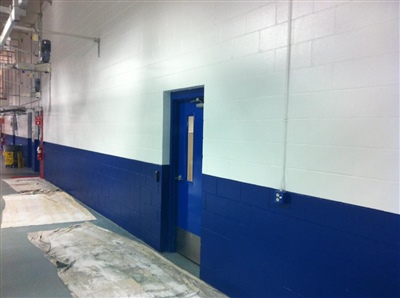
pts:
[18, 9]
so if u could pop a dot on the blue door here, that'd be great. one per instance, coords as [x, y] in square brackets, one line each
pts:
[188, 155]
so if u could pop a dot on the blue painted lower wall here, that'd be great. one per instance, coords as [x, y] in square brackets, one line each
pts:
[123, 190]
[251, 247]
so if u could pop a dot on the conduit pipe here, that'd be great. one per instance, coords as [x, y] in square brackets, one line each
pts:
[286, 95]
[5, 10]
[31, 29]
[18, 9]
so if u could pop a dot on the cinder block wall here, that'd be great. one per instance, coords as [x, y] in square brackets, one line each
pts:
[342, 141]
[341, 94]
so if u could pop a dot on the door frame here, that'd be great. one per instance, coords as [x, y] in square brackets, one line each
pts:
[176, 97]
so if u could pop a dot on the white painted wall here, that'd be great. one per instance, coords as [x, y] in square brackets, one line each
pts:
[343, 95]
[22, 126]
[344, 104]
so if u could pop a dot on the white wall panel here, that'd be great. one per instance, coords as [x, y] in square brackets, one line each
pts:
[372, 71]
[274, 37]
[343, 93]
[240, 171]
[370, 102]
[311, 79]
[343, 139]
[357, 43]
[354, 14]
[301, 8]
[371, 193]
[362, 162]
[301, 55]
[261, 18]
[314, 26]
[323, 5]
[347, 132]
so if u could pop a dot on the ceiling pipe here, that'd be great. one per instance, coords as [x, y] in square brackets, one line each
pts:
[5, 10]
[18, 9]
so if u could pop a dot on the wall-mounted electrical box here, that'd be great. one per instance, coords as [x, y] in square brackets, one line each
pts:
[280, 197]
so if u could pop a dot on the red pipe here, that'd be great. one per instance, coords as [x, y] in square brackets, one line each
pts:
[41, 145]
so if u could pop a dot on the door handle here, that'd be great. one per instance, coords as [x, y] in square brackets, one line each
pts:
[179, 178]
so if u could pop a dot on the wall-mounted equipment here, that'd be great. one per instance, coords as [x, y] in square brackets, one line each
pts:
[38, 85]
[281, 197]
[38, 121]
[11, 110]
[45, 51]
[35, 30]
[41, 67]
[199, 101]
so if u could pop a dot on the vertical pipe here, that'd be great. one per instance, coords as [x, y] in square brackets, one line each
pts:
[40, 26]
[30, 139]
[14, 127]
[41, 145]
[40, 29]
[286, 95]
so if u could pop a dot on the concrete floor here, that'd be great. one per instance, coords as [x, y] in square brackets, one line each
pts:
[25, 271]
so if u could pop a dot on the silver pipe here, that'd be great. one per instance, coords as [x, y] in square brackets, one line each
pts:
[30, 29]
[16, 49]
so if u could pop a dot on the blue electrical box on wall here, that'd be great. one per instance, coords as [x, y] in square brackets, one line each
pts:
[280, 197]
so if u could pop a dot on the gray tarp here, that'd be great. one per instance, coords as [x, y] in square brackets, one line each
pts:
[94, 262]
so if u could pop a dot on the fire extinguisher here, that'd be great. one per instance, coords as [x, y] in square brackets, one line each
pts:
[40, 152]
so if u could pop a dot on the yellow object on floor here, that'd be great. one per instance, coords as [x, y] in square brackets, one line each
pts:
[8, 159]
[20, 159]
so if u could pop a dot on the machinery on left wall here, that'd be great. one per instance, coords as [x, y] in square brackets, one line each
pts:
[12, 153]
[24, 71]
[24, 59]
[22, 136]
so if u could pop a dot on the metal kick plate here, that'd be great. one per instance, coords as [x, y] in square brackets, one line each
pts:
[188, 245]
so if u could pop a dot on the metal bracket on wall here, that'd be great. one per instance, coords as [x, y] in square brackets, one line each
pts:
[95, 39]
[42, 67]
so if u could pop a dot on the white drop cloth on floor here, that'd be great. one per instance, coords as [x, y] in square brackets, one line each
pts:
[42, 208]
[94, 262]
[34, 184]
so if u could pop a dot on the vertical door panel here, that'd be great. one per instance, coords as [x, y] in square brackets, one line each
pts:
[188, 178]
